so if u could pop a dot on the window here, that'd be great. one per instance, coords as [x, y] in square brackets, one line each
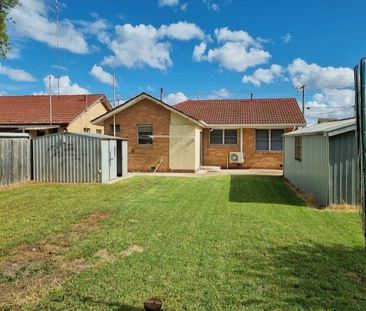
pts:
[298, 143]
[53, 131]
[230, 137]
[86, 130]
[216, 137]
[262, 140]
[144, 133]
[276, 139]
[118, 128]
[223, 137]
[98, 131]
[268, 140]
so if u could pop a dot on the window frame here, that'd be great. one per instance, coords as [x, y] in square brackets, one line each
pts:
[138, 134]
[223, 137]
[269, 140]
[118, 128]
[298, 148]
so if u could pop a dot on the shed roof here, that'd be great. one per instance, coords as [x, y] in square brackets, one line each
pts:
[98, 136]
[14, 135]
[327, 128]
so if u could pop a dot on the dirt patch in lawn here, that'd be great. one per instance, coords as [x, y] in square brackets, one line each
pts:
[32, 270]
[106, 256]
[343, 208]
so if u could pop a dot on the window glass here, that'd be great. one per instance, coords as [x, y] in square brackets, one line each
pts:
[276, 139]
[86, 130]
[298, 143]
[262, 140]
[98, 131]
[144, 135]
[231, 137]
[118, 128]
[216, 137]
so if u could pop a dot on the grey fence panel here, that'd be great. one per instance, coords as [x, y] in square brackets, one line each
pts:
[343, 169]
[14, 160]
[67, 157]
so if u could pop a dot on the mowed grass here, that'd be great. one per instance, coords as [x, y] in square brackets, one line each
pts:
[217, 243]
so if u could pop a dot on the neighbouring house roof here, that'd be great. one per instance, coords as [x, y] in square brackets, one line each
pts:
[327, 128]
[137, 99]
[270, 111]
[35, 109]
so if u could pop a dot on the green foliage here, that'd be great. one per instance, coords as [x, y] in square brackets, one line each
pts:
[215, 243]
[5, 6]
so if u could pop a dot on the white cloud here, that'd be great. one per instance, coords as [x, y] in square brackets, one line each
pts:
[168, 2]
[144, 45]
[175, 98]
[264, 75]
[66, 86]
[215, 5]
[98, 28]
[16, 74]
[287, 38]
[330, 103]
[226, 35]
[238, 51]
[32, 21]
[315, 76]
[221, 93]
[181, 31]
[101, 75]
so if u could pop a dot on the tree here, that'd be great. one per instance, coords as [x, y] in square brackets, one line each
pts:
[5, 6]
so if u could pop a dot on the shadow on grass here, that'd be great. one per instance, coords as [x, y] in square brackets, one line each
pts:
[109, 304]
[262, 189]
[307, 277]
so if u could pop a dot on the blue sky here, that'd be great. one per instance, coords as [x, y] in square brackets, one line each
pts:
[209, 48]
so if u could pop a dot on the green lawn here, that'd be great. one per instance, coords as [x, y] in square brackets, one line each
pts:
[217, 243]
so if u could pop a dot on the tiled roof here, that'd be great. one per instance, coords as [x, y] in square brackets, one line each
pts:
[244, 111]
[35, 109]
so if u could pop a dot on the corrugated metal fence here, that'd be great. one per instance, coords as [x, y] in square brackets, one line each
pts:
[15, 164]
[67, 158]
[343, 176]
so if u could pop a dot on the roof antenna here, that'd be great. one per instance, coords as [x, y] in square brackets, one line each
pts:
[251, 96]
[198, 95]
[50, 94]
[161, 94]
[57, 48]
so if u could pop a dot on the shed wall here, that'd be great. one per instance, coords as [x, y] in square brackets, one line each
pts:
[311, 174]
[343, 169]
[67, 158]
[14, 160]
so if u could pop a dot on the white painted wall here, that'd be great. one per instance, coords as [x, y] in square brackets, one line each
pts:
[183, 144]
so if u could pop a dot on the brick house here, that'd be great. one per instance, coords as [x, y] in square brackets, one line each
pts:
[199, 133]
[40, 115]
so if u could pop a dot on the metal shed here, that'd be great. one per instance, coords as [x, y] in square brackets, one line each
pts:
[78, 158]
[322, 160]
[14, 158]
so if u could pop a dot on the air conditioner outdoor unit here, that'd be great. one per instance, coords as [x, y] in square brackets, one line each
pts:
[236, 157]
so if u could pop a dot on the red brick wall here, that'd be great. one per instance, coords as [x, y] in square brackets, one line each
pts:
[144, 157]
[217, 155]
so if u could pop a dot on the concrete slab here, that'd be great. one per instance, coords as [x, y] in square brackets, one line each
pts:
[205, 173]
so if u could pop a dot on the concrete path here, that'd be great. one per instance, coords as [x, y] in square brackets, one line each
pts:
[204, 173]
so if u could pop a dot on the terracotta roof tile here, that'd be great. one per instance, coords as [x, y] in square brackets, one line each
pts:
[35, 109]
[244, 111]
